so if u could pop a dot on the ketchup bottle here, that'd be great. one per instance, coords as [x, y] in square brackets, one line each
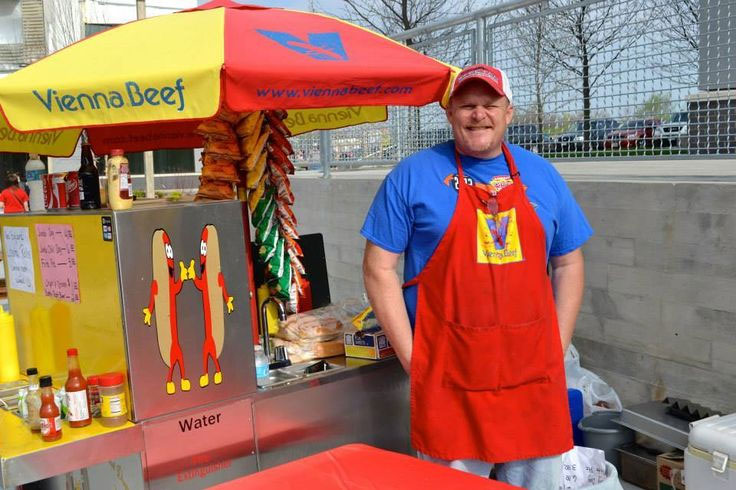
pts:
[77, 399]
[49, 412]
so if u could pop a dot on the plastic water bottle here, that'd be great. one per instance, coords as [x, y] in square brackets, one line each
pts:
[261, 363]
[34, 170]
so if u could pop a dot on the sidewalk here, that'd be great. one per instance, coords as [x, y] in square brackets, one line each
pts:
[712, 170]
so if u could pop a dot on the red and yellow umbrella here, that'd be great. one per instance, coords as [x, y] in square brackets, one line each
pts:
[147, 84]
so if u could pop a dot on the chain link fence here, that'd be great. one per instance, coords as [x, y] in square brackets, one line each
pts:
[591, 79]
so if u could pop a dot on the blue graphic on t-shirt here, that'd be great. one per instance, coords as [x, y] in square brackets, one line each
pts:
[413, 206]
[320, 46]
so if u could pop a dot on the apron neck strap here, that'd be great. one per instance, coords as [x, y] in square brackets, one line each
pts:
[510, 163]
[459, 165]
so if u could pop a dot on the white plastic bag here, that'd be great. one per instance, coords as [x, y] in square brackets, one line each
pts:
[585, 468]
[597, 394]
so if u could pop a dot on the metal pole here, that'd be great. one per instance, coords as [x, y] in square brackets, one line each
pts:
[325, 152]
[140, 10]
[464, 19]
[83, 18]
[489, 52]
[480, 40]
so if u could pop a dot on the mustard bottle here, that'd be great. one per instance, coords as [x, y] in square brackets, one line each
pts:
[119, 186]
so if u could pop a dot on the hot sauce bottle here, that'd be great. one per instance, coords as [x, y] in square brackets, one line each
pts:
[77, 399]
[49, 412]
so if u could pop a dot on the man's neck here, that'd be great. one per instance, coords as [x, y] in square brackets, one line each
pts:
[487, 155]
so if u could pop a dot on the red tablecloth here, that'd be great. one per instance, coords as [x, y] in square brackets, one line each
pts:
[357, 466]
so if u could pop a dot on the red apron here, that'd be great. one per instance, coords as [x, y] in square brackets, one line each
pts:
[487, 373]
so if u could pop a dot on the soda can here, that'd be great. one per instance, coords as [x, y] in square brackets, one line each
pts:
[59, 188]
[48, 190]
[71, 180]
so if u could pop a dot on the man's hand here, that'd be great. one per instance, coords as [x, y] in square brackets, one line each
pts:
[384, 292]
[568, 279]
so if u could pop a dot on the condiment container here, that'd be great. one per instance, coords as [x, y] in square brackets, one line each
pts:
[77, 399]
[114, 407]
[119, 187]
[33, 400]
[49, 412]
[94, 395]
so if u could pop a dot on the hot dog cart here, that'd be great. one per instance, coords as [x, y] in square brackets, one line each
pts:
[165, 293]
[100, 279]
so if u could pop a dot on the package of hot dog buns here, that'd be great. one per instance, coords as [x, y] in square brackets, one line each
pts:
[319, 324]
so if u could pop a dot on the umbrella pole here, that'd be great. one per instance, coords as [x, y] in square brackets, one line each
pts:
[148, 171]
[140, 10]
[325, 152]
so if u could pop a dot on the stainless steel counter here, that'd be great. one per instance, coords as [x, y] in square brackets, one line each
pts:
[356, 401]
[361, 401]
[24, 458]
[364, 402]
[344, 367]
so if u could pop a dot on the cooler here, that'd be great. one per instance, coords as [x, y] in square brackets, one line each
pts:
[710, 457]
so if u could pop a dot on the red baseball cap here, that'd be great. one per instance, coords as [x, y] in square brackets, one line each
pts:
[495, 78]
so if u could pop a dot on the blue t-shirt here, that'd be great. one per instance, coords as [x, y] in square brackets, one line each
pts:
[416, 201]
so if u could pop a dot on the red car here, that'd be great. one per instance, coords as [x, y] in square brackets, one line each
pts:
[638, 133]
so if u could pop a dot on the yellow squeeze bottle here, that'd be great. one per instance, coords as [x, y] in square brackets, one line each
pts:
[9, 369]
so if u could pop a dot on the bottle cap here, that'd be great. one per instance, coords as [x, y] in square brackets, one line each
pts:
[45, 381]
[31, 371]
[111, 379]
[72, 352]
[116, 152]
[93, 380]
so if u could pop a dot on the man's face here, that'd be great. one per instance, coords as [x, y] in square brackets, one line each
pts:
[479, 117]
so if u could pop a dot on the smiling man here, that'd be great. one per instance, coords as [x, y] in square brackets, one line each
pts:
[479, 326]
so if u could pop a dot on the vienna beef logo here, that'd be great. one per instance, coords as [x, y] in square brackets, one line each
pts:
[41, 138]
[132, 95]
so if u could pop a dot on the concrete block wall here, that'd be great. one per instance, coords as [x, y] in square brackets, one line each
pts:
[336, 208]
[659, 312]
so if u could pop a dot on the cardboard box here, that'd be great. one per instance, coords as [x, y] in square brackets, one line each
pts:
[368, 344]
[670, 469]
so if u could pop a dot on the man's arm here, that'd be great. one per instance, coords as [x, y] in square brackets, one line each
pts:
[384, 292]
[567, 283]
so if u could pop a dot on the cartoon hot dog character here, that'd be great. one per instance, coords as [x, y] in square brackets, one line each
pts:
[164, 290]
[212, 284]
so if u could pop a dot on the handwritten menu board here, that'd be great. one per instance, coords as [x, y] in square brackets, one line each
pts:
[20, 259]
[58, 256]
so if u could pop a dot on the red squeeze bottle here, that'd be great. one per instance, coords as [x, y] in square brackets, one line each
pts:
[49, 412]
[77, 399]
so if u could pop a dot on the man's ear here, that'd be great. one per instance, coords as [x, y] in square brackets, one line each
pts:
[509, 114]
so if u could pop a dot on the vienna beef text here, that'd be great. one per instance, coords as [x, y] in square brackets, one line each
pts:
[133, 95]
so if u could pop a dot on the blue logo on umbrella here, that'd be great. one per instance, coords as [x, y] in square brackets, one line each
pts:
[325, 46]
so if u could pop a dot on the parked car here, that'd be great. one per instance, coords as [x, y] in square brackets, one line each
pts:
[574, 139]
[637, 133]
[669, 133]
[528, 136]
